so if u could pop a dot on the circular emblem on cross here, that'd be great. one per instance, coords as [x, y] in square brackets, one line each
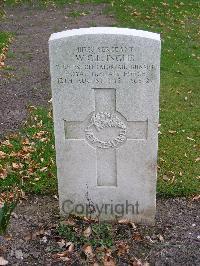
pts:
[106, 130]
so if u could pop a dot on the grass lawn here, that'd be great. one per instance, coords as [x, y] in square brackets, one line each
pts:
[5, 39]
[179, 144]
[28, 159]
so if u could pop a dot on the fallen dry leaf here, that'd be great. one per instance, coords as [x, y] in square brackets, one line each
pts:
[127, 222]
[55, 197]
[87, 249]
[44, 139]
[164, 4]
[108, 260]
[3, 261]
[190, 139]
[172, 131]
[166, 178]
[40, 124]
[40, 134]
[123, 221]
[87, 232]
[7, 143]
[17, 166]
[196, 198]
[70, 246]
[43, 169]
[3, 173]
[135, 13]
[133, 225]
[172, 180]
[32, 108]
[27, 149]
[122, 248]
[90, 219]
[2, 155]
[68, 221]
[137, 236]
[14, 154]
[197, 159]
[161, 238]
[62, 254]
[25, 141]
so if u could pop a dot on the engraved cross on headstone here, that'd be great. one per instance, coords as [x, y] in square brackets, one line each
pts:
[106, 130]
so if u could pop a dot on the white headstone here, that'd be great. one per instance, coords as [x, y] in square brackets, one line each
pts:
[105, 85]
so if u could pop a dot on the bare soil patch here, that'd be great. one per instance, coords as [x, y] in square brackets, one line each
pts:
[174, 240]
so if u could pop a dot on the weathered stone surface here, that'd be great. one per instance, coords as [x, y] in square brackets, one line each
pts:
[105, 85]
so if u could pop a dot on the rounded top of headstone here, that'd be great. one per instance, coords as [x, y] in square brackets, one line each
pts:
[105, 30]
